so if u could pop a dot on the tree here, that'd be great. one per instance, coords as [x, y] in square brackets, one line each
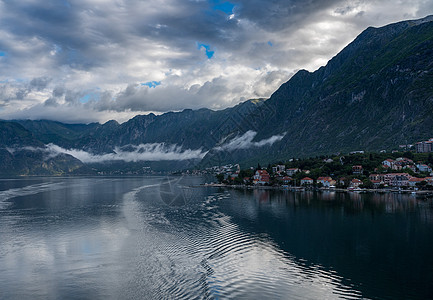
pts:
[409, 171]
[421, 184]
[367, 184]
[220, 177]
[408, 154]
[430, 159]
[246, 173]
[238, 180]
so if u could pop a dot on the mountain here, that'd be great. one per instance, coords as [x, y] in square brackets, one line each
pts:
[55, 132]
[189, 129]
[13, 134]
[21, 153]
[28, 162]
[377, 93]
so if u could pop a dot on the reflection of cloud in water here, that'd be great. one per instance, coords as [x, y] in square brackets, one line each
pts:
[239, 260]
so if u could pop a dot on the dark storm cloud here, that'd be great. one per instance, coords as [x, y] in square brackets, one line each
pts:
[281, 14]
[39, 83]
[79, 29]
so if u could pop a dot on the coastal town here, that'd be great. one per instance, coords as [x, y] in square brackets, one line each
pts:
[409, 170]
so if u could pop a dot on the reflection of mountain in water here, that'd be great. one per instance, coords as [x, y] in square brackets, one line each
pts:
[368, 239]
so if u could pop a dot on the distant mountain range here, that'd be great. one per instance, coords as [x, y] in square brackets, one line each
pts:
[375, 94]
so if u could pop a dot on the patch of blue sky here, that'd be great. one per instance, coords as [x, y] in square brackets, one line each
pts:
[14, 80]
[270, 43]
[57, 48]
[151, 84]
[90, 96]
[225, 6]
[66, 4]
[209, 53]
[73, 57]
[2, 53]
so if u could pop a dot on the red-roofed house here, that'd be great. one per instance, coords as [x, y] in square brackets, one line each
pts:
[323, 179]
[390, 163]
[285, 179]
[306, 181]
[326, 181]
[373, 177]
[357, 169]
[355, 183]
[400, 179]
[261, 177]
[423, 168]
[376, 183]
[413, 181]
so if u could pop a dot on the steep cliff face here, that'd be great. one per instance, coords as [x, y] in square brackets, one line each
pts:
[376, 93]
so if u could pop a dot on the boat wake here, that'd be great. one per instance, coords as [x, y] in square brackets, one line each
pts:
[28, 190]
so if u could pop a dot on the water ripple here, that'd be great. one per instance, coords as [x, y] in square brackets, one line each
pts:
[211, 257]
[121, 240]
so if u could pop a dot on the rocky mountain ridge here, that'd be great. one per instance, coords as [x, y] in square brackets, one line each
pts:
[375, 94]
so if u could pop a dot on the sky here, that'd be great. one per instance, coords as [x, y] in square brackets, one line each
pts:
[95, 60]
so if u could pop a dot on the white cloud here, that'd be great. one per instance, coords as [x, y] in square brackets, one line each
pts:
[118, 44]
[245, 141]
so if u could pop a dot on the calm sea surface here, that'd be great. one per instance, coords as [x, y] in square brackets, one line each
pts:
[163, 238]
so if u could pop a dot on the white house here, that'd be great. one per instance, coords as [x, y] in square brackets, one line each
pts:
[389, 163]
[292, 171]
[423, 168]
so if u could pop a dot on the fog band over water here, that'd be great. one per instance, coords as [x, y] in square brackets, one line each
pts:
[152, 151]
[245, 141]
[142, 152]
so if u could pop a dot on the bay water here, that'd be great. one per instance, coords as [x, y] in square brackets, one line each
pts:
[170, 238]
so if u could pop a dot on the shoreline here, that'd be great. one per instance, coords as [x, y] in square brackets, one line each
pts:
[302, 189]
